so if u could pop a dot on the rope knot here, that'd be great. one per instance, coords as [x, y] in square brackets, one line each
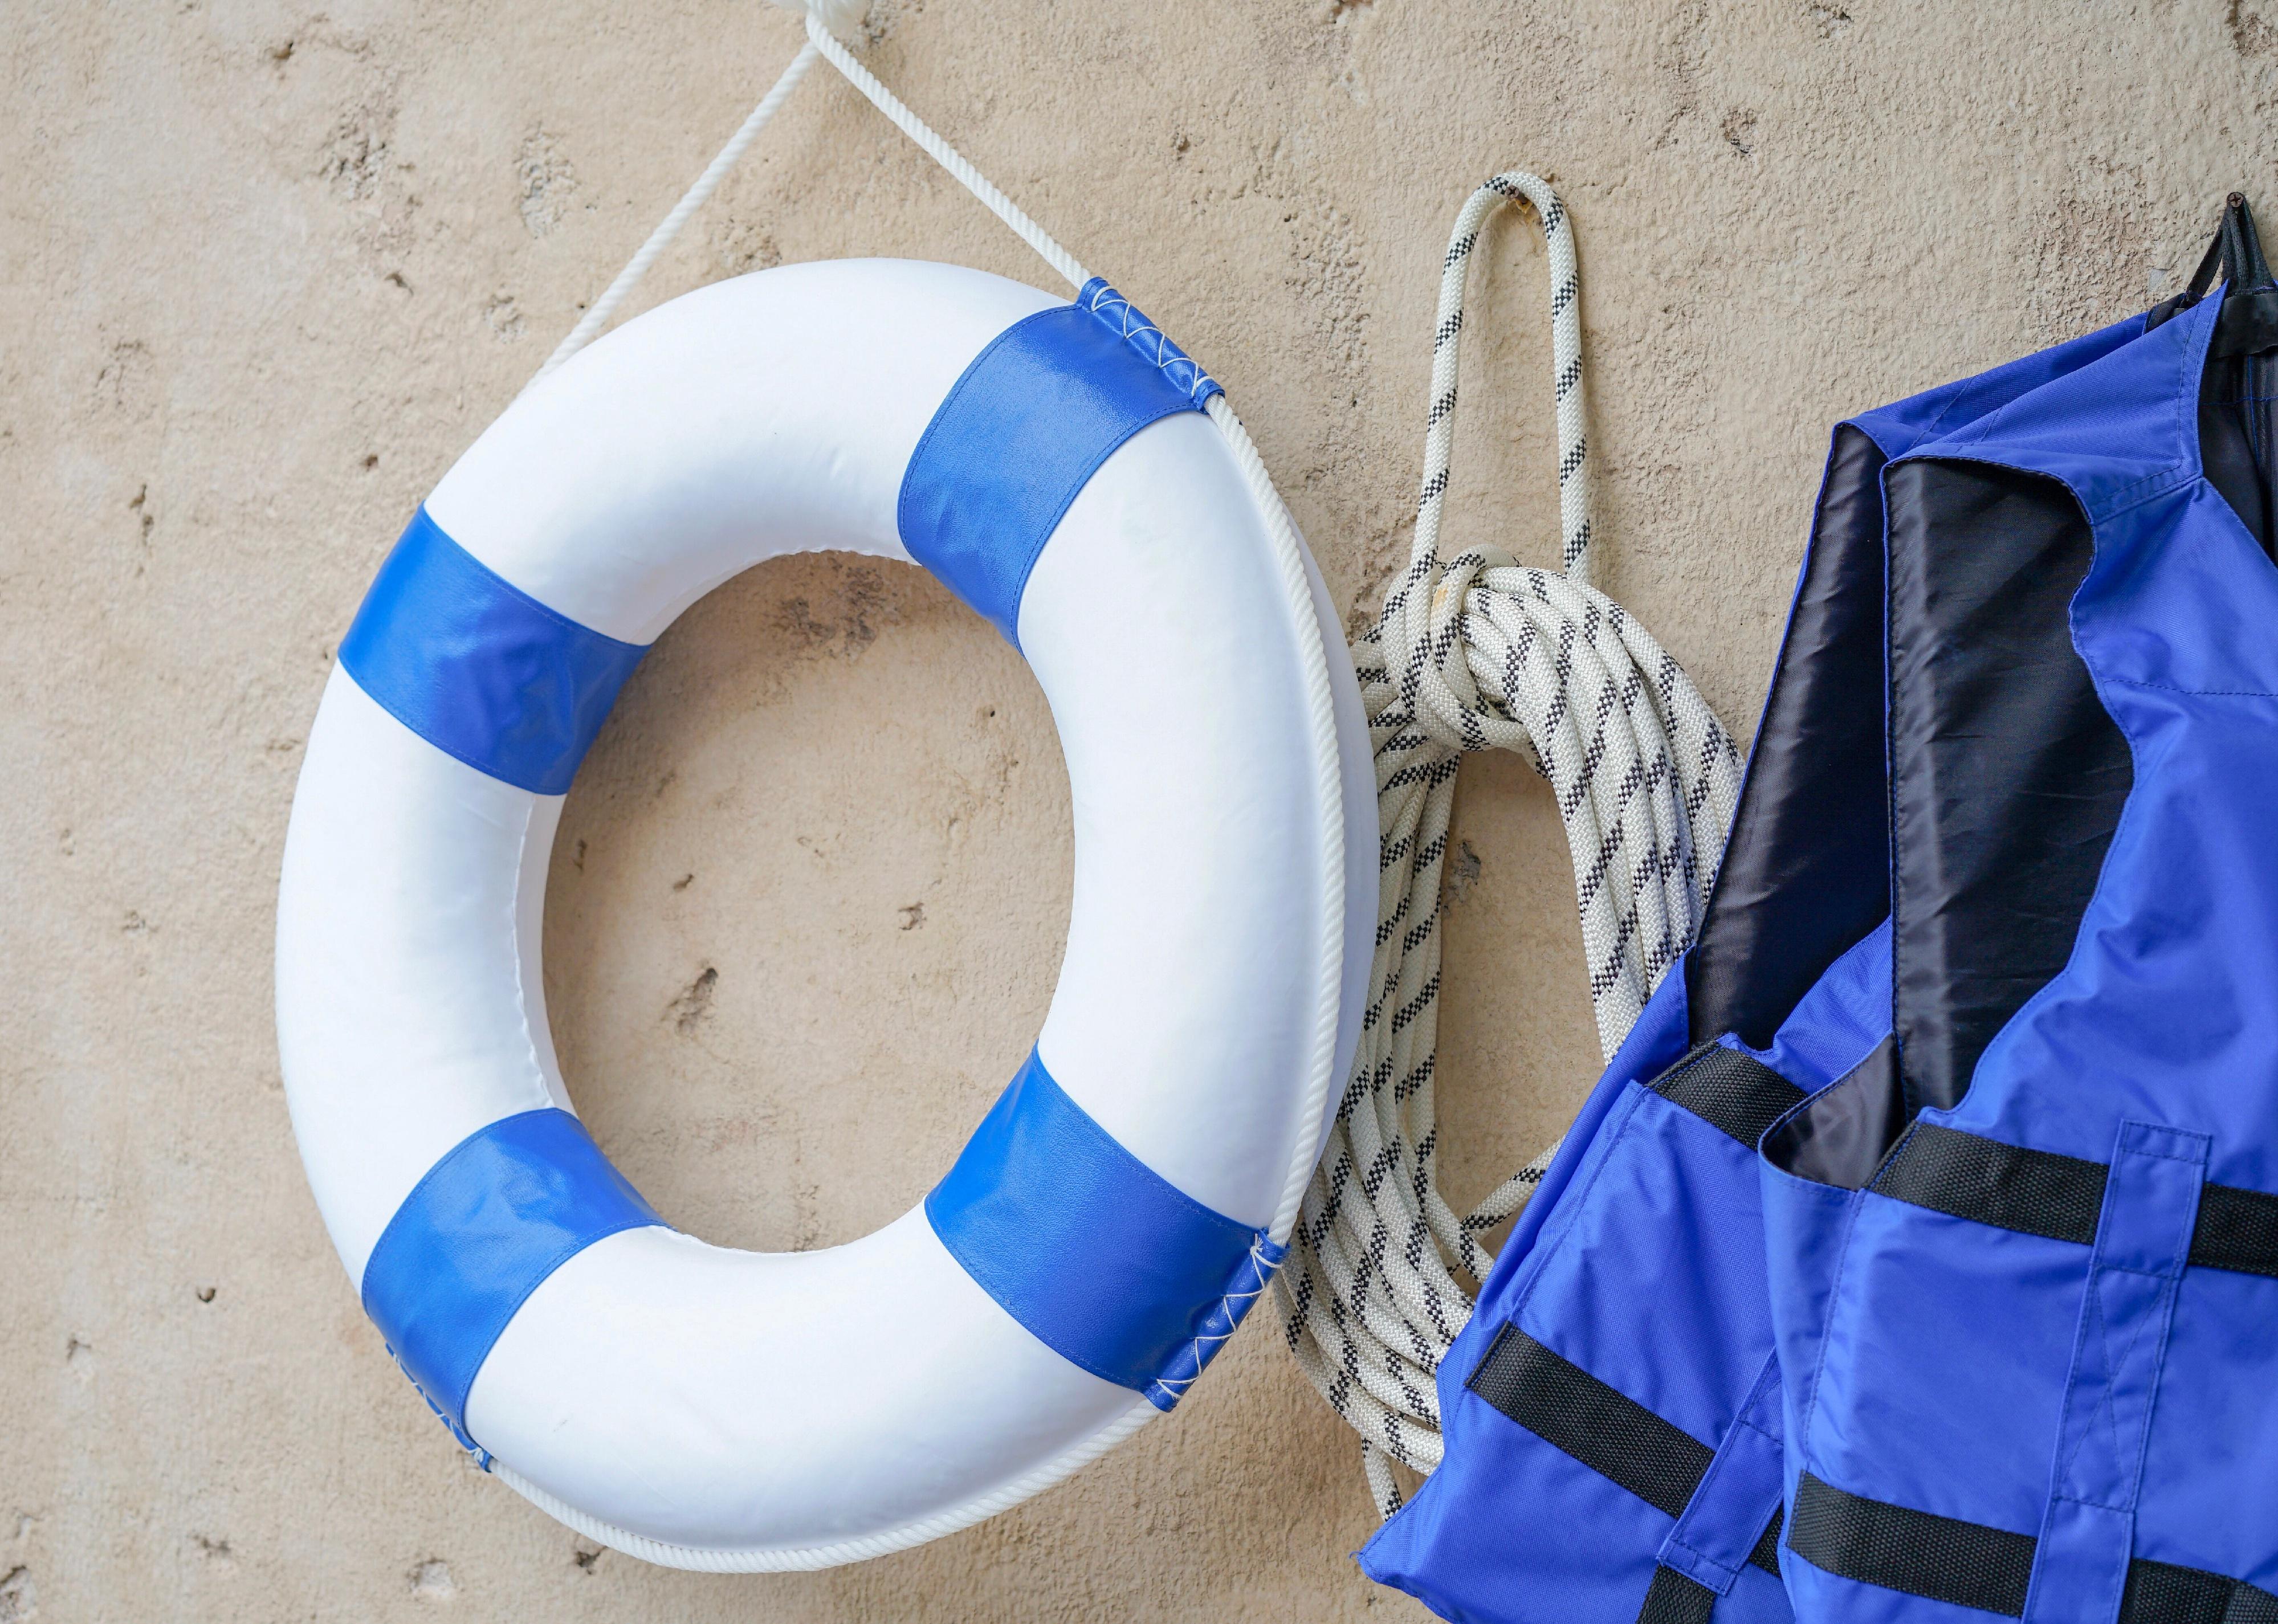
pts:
[1430, 655]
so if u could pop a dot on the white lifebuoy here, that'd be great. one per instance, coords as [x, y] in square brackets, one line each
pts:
[1126, 1196]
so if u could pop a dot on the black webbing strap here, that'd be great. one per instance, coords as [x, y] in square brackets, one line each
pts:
[1610, 1432]
[2039, 1193]
[1729, 1091]
[1676, 1598]
[1941, 1557]
[2162, 1593]
[2238, 1230]
[1972, 1565]
[2033, 1192]
[1766, 1555]
[1616, 1437]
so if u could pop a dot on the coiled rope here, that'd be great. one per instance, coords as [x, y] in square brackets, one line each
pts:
[1327, 951]
[1480, 653]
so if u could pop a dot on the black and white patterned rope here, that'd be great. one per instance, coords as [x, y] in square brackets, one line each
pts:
[1480, 653]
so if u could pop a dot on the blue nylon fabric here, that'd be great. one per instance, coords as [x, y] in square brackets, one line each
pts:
[1905, 425]
[1672, 1206]
[2208, 1490]
[503, 1209]
[1646, 1239]
[1956, 1278]
[2080, 1569]
[1023, 433]
[1149, 342]
[480, 668]
[1101, 1258]
[2090, 1396]
[1654, 1045]
[1252, 1277]
[1713, 1540]
[1811, 1227]
[1806, 1227]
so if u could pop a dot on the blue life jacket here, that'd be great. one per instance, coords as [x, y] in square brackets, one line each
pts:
[2000, 823]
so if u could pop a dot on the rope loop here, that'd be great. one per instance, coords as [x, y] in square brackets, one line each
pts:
[1478, 652]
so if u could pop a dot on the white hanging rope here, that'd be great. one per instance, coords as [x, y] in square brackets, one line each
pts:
[1328, 952]
[598, 316]
[1476, 653]
[942, 153]
[819, 43]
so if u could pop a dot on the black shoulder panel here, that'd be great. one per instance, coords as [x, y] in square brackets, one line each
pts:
[2007, 773]
[1806, 871]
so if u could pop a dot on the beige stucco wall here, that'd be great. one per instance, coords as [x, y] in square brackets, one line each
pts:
[265, 269]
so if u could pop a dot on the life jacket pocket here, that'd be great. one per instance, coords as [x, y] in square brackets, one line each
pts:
[1614, 1437]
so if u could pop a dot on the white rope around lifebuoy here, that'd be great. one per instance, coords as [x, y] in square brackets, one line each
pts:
[1480, 653]
[824, 18]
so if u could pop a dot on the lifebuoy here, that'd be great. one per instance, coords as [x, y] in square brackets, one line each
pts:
[1128, 1195]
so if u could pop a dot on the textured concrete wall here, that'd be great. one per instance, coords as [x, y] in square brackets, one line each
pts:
[268, 269]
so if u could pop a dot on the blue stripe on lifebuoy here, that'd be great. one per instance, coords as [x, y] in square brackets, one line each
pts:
[504, 1209]
[1020, 433]
[1104, 1261]
[480, 669]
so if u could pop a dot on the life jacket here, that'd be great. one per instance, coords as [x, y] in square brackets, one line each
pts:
[2021, 1257]
[1952, 1316]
